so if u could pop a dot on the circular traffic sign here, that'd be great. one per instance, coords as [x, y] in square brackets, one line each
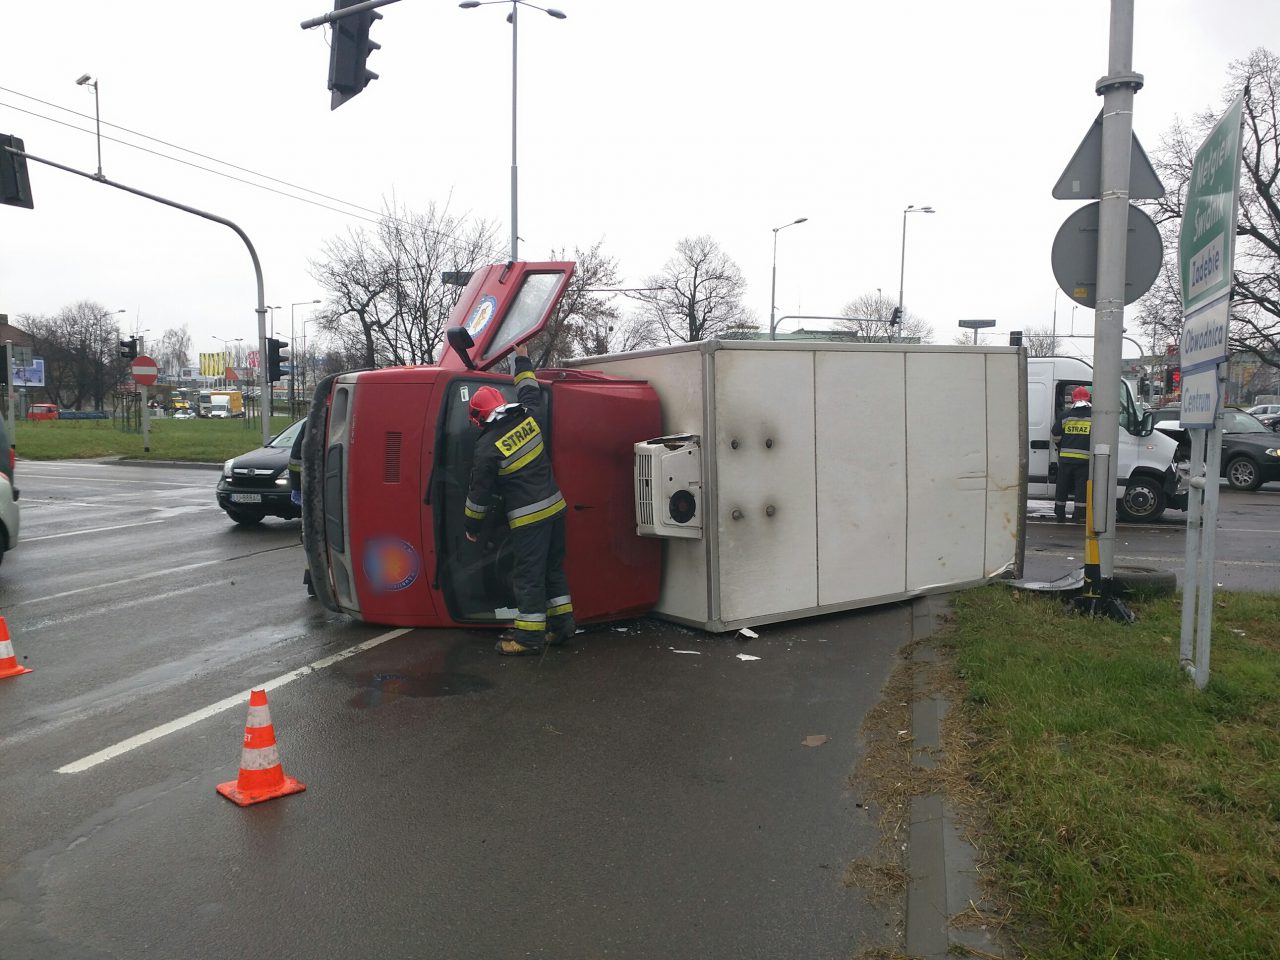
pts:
[1074, 256]
[144, 371]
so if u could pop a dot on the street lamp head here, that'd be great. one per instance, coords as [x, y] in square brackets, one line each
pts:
[558, 14]
[84, 78]
[800, 220]
[469, 4]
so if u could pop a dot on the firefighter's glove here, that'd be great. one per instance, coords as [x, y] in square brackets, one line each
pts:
[295, 497]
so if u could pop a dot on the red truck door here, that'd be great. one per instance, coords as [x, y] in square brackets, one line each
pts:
[505, 304]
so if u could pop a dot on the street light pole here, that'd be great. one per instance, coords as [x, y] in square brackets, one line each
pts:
[293, 360]
[902, 269]
[512, 19]
[86, 80]
[773, 288]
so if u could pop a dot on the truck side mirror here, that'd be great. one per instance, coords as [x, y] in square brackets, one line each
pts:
[460, 342]
[1148, 424]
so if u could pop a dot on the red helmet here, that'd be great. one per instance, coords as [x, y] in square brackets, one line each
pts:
[483, 403]
[1078, 394]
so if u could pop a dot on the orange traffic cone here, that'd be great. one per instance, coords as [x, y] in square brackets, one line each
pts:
[261, 776]
[9, 666]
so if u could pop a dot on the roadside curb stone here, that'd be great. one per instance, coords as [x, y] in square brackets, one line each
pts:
[941, 862]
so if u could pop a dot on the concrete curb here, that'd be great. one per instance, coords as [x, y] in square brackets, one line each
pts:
[941, 863]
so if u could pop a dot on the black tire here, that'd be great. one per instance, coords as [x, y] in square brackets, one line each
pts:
[1143, 501]
[1243, 474]
[1137, 581]
[244, 518]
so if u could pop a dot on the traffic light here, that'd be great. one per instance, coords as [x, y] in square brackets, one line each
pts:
[129, 348]
[1168, 379]
[897, 316]
[275, 359]
[15, 186]
[348, 52]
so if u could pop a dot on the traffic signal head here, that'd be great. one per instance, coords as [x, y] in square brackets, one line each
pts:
[349, 50]
[15, 186]
[897, 316]
[129, 349]
[276, 359]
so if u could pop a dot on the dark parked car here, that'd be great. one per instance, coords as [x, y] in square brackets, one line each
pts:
[1250, 451]
[1271, 421]
[255, 485]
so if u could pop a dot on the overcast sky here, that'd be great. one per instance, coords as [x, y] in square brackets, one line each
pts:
[639, 124]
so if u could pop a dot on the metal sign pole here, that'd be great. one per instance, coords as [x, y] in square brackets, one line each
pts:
[1190, 577]
[1213, 471]
[8, 365]
[146, 421]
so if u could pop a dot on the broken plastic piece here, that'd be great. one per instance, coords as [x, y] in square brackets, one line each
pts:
[747, 656]
[748, 633]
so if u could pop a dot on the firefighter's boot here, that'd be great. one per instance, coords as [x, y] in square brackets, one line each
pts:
[518, 643]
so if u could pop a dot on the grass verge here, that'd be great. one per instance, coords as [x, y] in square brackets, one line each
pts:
[1128, 815]
[211, 441]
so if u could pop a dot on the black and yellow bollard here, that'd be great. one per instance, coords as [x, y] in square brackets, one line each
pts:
[1099, 597]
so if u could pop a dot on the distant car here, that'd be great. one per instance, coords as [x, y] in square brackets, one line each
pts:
[1264, 409]
[42, 411]
[1270, 421]
[186, 414]
[1250, 451]
[8, 495]
[255, 485]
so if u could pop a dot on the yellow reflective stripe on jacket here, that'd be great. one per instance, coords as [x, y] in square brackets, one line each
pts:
[525, 375]
[474, 510]
[560, 609]
[523, 516]
[524, 461]
[1074, 454]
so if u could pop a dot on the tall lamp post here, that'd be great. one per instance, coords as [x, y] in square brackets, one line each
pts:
[511, 19]
[773, 290]
[902, 269]
[87, 81]
[293, 358]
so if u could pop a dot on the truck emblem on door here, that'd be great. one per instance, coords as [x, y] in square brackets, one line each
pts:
[481, 315]
[390, 564]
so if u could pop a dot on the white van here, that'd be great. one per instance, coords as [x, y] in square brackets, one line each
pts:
[1147, 479]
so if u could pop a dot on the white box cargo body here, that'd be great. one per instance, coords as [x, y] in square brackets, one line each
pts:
[838, 475]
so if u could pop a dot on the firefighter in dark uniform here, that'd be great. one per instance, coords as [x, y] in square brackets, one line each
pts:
[1070, 432]
[511, 455]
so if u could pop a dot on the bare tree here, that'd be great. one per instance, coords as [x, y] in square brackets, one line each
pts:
[869, 316]
[387, 304]
[1041, 341]
[697, 295]
[173, 350]
[1255, 290]
[81, 350]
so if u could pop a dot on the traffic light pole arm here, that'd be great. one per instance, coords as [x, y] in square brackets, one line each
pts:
[265, 390]
[333, 15]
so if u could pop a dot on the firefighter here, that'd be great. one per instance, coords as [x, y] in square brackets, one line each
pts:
[1070, 432]
[511, 455]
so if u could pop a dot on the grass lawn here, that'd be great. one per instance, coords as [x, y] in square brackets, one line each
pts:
[1130, 815]
[211, 441]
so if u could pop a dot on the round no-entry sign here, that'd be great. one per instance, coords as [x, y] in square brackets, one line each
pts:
[144, 371]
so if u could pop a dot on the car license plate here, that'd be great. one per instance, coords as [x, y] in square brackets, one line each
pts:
[246, 498]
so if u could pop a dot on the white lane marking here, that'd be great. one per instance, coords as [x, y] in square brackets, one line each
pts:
[1177, 562]
[155, 733]
[167, 572]
[60, 503]
[61, 476]
[76, 533]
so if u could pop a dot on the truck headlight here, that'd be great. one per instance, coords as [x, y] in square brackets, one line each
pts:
[226, 470]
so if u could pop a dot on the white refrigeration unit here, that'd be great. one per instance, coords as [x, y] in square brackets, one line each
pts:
[801, 478]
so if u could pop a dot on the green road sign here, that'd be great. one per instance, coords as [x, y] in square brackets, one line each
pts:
[1206, 242]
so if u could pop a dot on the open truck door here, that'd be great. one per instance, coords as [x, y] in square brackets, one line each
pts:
[388, 469]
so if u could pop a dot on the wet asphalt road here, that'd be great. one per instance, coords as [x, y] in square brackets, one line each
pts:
[1247, 547]
[616, 799]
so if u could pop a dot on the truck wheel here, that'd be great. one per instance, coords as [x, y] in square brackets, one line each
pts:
[245, 519]
[1242, 474]
[1137, 581]
[1143, 501]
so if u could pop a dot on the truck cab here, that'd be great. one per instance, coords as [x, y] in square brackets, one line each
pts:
[1148, 481]
[386, 464]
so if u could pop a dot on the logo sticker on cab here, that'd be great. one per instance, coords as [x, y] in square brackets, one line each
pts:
[481, 315]
[390, 564]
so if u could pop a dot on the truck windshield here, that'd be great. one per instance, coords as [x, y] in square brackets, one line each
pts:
[528, 309]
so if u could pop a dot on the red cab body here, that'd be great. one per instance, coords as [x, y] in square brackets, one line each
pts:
[387, 463]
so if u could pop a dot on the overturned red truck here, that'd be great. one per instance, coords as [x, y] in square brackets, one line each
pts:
[717, 484]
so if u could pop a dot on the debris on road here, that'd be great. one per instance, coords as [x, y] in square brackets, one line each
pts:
[814, 740]
[696, 653]
[747, 656]
[747, 633]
